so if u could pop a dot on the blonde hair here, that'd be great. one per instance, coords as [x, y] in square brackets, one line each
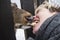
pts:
[51, 8]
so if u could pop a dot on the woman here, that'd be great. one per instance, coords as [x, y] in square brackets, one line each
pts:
[48, 25]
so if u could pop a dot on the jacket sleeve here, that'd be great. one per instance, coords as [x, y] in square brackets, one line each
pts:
[55, 35]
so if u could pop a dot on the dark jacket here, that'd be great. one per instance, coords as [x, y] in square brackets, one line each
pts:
[50, 29]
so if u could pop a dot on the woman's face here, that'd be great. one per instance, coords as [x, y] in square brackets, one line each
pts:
[41, 12]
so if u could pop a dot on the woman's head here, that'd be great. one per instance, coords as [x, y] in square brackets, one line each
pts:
[46, 9]
[43, 12]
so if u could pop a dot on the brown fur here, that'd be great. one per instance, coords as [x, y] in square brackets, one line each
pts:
[19, 15]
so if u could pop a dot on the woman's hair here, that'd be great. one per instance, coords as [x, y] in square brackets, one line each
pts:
[51, 7]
